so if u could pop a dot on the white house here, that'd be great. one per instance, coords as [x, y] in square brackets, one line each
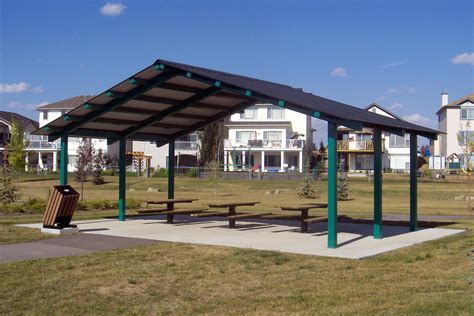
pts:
[35, 145]
[356, 152]
[50, 155]
[453, 120]
[268, 138]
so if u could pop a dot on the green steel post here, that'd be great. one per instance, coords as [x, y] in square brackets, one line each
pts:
[122, 178]
[413, 181]
[171, 170]
[332, 185]
[64, 162]
[377, 184]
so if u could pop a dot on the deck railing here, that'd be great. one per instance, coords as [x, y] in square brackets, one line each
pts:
[264, 143]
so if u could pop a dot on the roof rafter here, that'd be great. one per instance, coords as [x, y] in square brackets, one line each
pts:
[172, 110]
[116, 102]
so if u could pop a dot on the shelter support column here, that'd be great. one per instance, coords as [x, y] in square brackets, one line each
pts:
[413, 181]
[282, 160]
[300, 162]
[122, 178]
[263, 162]
[243, 160]
[225, 160]
[55, 161]
[171, 170]
[377, 183]
[332, 185]
[64, 160]
[27, 161]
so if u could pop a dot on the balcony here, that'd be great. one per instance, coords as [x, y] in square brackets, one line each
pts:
[264, 143]
[42, 144]
[360, 145]
[186, 145]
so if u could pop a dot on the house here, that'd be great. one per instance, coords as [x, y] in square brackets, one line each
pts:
[268, 138]
[453, 118]
[356, 151]
[49, 155]
[33, 142]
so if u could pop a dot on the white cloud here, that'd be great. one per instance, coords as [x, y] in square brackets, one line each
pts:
[339, 72]
[37, 89]
[418, 119]
[411, 90]
[379, 99]
[25, 106]
[14, 87]
[466, 58]
[393, 64]
[391, 91]
[113, 9]
[395, 106]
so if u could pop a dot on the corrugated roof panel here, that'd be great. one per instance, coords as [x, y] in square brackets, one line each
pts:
[105, 127]
[188, 82]
[146, 105]
[159, 130]
[170, 94]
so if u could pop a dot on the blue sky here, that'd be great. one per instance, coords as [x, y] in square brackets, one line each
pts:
[402, 54]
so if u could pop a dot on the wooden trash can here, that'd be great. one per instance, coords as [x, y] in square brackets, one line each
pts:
[61, 206]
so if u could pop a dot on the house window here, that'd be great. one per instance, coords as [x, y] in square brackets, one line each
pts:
[467, 113]
[399, 141]
[45, 115]
[275, 113]
[465, 137]
[245, 136]
[249, 114]
[272, 135]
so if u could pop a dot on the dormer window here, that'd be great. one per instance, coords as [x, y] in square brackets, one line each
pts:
[467, 113]
[45, 115]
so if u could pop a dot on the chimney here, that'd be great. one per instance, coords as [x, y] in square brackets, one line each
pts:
[444, 98]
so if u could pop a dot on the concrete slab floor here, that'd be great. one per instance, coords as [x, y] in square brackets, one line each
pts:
[355, 240]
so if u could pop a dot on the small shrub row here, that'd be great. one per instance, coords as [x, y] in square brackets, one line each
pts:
[106, 205]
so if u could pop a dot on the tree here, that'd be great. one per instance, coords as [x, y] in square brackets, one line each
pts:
[466, 141]
[99, 164]
[210, 140]
[17, 147]
[8, 191]
[213, 166]
[342, 185]
[84, 163]
[308, 191]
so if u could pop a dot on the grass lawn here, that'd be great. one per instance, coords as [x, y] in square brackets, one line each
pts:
[431, 278]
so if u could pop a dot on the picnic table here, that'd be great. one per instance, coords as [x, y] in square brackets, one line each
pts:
[170, 211]
[304, 209]
[231, 213]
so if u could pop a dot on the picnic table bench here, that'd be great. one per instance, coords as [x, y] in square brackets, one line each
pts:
[304, 209]
[170, 211]
[231, 213]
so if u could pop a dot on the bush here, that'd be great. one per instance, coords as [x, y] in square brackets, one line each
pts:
[160, 173]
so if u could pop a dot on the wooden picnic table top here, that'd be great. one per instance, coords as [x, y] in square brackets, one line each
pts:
[179, 200]
[298, 207]
[232, 204]
[317, 205]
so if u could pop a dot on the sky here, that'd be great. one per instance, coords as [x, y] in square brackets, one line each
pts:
[401, 54]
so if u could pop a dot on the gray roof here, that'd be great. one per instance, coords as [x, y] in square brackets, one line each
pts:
[23, 120]
[67, 104]
[167, 100]
[375, 104]
[458, 102]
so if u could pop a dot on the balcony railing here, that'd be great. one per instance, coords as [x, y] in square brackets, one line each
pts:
[345, 145]
[42, 144]
[264, 143]
[186, 145]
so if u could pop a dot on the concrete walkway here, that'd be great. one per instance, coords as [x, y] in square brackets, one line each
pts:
[67, 246]
[355, 240]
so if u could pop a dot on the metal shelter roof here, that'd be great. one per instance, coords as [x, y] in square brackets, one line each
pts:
[168, 100]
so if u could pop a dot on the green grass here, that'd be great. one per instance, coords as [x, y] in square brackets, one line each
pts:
[434, 278]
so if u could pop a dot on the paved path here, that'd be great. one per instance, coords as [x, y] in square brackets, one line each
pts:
[67, 246]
